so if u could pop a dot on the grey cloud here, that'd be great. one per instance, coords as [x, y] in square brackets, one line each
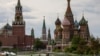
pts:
[3, 17]
[92, 11]
[26, 9]
[29, 17]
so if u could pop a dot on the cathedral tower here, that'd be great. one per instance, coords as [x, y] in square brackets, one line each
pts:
[84, 30]
[58, 31]
[69, 16]
[66, 31]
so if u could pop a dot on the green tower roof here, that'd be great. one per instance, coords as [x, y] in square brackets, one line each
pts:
[44, 26]
[83, 21]
[18, 4]
[76, 24]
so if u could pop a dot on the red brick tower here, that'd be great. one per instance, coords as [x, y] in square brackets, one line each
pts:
[19, 25]
[84, 30]
[44, 36]
[58, 31]
[66, 31]
[69, 16]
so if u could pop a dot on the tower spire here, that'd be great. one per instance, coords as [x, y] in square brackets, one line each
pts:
[18, 14]
[69, 11]
[49, 37]
[44, 23]
[68, 2]
[44, 30]
[18, 4]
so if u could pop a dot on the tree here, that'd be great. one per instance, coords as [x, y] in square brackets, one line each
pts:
[78, 45]
[95, 46]
[82, 46]
[75, 42]
[38, 44]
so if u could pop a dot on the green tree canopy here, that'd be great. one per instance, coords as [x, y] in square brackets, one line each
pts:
[39, 44]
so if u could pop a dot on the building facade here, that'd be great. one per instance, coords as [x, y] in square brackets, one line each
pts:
[14, 35]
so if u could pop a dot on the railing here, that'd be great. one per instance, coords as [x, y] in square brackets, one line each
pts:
[55, 54]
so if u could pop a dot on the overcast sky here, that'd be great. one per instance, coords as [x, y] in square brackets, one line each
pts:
[34, 10]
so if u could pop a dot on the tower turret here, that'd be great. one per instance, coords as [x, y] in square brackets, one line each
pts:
[44, 30]
[69, 14]
[18, 15]
[49, 37]
[84, 30]
[58, 32]
[83, 21]
[58, 22]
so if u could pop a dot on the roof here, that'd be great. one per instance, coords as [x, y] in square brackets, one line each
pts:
[58, 22]
[83, 21]
[18, 3]
[65, 22]
[7, 27]
[76, 24]
[68, 11]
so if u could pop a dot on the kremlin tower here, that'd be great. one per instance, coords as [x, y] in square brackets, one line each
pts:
[44, 36]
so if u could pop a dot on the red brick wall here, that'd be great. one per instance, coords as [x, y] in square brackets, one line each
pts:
[8, 41]
[19, 30]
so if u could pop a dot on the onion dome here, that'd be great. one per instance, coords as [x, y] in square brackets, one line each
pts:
[65, 22]
[58, 22]
[7, 27]
[76, 24]
[83, 21]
